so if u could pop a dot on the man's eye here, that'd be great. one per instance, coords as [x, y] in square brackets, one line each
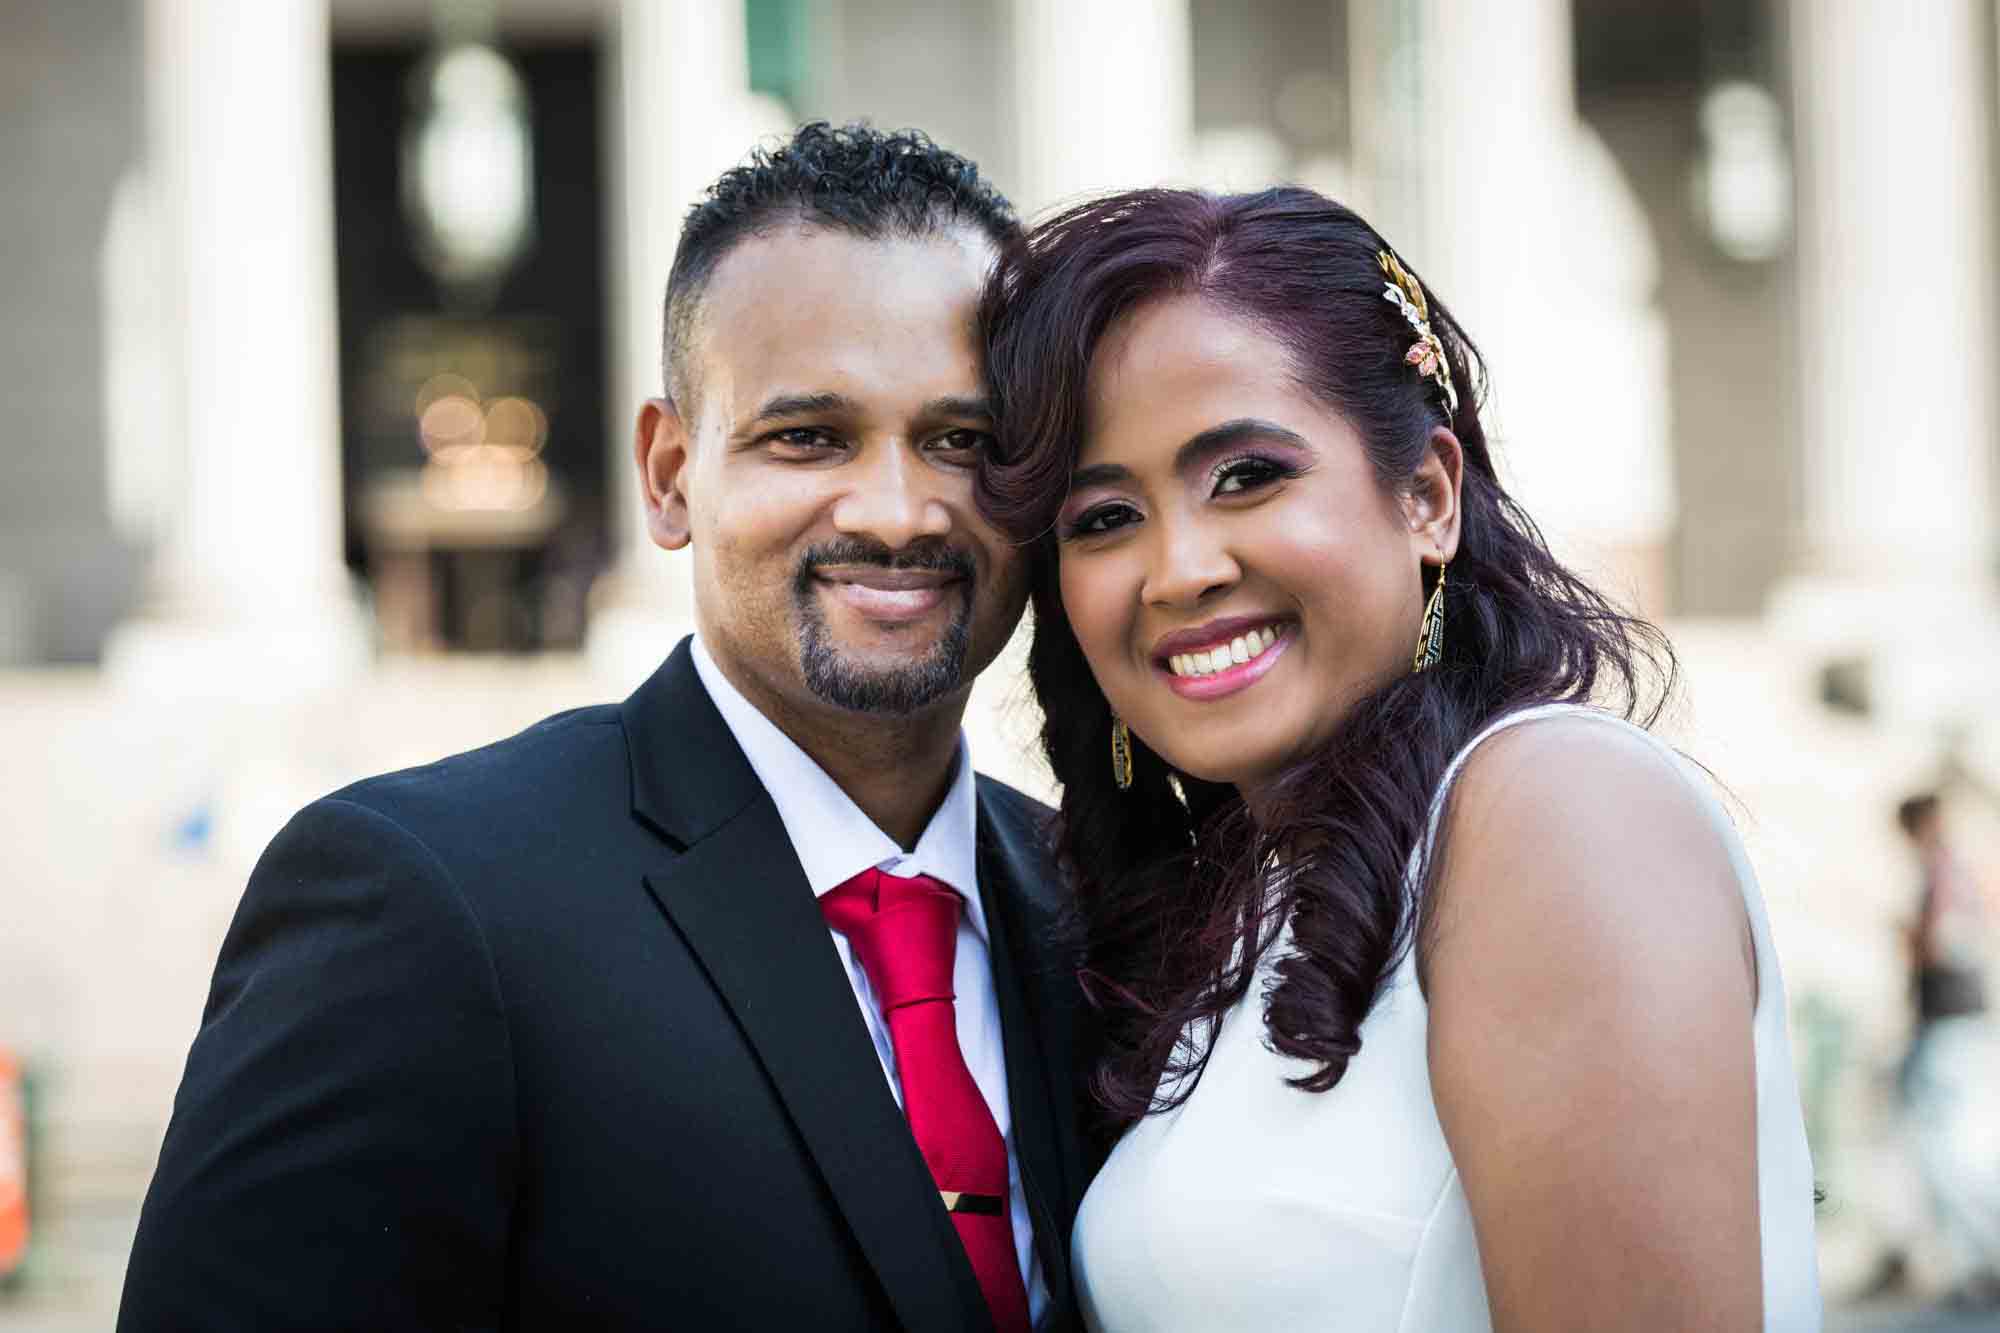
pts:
[1101, 519]
[804, 438]
[1244, 474]
[962, 440]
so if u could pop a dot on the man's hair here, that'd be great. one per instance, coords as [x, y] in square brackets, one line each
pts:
[854, 179]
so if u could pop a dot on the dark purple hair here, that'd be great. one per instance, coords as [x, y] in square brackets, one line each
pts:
[1174, 906]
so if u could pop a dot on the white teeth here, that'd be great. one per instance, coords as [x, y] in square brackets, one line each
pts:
[1208, 661]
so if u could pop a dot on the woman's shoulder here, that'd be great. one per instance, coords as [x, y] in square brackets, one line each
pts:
[1576, 769]
[1571, 737]
[1594, 831]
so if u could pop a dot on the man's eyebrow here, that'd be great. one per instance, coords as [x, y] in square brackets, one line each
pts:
[803, 405]
[1196, 449]
[954, 405]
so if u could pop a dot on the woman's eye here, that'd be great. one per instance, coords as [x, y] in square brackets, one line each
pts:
[1243, 474]
[1104, 518]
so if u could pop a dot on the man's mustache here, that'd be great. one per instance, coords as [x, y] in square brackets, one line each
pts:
[933, 556]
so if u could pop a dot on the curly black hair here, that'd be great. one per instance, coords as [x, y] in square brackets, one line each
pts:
[866, 182]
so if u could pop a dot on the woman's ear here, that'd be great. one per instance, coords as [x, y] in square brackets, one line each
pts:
[660, 448]
[1430, 499]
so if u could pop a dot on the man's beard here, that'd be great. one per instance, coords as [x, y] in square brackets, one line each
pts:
[904, 689]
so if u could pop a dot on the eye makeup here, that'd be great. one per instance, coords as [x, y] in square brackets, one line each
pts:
[1250, 472]
[1282, 454]
[1091, 520]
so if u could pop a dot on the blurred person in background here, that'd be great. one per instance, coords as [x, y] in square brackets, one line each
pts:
[741, 1004]
[1950, 1078]
[1517, 1059]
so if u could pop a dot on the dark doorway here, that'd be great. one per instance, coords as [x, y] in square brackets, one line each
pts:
[473, 443]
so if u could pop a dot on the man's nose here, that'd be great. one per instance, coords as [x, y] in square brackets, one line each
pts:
[894, 499]
[1187, 563]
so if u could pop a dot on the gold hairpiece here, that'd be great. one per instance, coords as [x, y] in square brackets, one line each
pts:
[1427, 352]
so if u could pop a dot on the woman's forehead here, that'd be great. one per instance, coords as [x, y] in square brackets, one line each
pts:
[1176, 366]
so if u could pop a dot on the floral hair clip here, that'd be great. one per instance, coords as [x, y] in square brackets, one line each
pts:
[1427, 352]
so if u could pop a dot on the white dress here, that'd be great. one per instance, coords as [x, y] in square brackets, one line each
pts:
[1254, 1205]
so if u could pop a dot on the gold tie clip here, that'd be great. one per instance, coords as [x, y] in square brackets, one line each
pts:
[965, 1201]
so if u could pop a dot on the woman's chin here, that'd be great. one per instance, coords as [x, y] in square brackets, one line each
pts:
[1234, 768]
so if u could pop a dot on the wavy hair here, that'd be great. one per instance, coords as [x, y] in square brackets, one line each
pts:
[1170, 876]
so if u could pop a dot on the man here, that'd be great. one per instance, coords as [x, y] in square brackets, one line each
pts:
[1950, 1077]
[615, 1024]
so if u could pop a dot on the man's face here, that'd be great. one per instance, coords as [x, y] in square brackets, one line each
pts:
[825, 480]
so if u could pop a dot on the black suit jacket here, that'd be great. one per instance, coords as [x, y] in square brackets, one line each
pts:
[551, 1035]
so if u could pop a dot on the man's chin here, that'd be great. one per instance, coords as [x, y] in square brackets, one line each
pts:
[875, 681]
[878, 659]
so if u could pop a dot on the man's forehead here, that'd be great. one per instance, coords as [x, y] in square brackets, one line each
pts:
[827, 305]
[799, 262]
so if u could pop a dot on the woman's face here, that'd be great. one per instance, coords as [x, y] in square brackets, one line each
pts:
[1233, 570]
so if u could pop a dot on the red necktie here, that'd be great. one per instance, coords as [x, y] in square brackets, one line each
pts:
[905, 932]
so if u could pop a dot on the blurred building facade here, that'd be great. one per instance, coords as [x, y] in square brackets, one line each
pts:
[330, 318]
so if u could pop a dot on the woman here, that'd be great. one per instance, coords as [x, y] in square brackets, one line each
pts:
[1381, 1059]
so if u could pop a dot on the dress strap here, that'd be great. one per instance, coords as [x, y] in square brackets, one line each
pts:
[1493, 728]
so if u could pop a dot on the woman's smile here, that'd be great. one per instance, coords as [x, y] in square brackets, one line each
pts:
[1222, 657]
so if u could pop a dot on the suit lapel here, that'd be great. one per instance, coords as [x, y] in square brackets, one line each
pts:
[739, 898]
[1031, 979]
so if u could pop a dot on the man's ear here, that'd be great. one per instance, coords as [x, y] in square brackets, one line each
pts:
[1430, 503]
[660, 447]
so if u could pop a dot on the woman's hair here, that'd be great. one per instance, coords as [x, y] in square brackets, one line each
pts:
[1171, 875]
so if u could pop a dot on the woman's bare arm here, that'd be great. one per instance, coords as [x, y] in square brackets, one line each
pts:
[1592, 982]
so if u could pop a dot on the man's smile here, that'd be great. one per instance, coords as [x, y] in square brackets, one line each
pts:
[888, 595]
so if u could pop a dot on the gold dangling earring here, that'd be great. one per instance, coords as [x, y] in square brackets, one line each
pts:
[1430, 636]
[1121, 753]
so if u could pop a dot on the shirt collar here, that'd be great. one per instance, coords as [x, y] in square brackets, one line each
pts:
[834, 840]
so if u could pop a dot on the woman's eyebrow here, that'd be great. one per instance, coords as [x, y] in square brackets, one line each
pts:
[1099, 474]
[1229, 434]
[1197, 449]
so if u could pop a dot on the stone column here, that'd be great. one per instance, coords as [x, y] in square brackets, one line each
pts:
[1103, 97]
[680, 114]
[1473, 162]
[1896, 334]
[1896, 317]
[249, 590]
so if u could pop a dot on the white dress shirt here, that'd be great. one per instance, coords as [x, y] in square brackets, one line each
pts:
[835, 841]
